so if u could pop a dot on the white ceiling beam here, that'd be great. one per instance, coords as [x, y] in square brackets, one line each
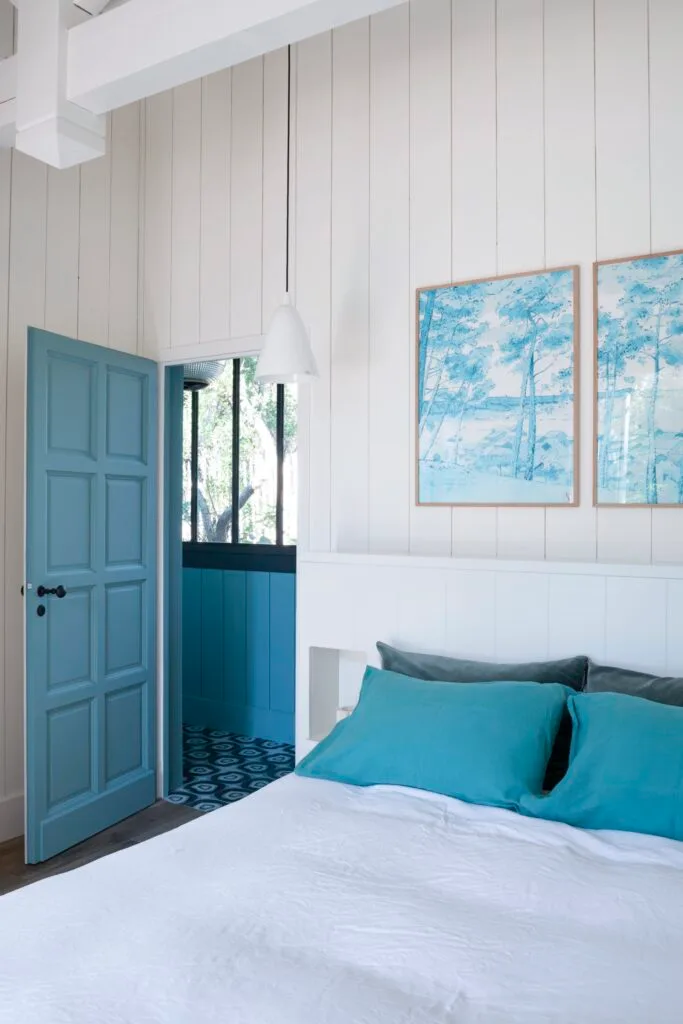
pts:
[49, 127]
[144, 47]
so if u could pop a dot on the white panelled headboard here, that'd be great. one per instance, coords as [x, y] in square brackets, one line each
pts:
[501, 611]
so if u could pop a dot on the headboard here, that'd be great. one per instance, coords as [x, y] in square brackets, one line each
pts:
[624, 615]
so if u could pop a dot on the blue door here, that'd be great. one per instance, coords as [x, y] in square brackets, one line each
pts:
[91, 590]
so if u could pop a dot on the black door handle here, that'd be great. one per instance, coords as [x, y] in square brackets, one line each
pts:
[59, 591]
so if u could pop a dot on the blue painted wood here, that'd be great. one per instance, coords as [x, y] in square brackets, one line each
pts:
[282, 642]
[192, 633]
[258, 640]
[254, 642]
[91, 527]
[173, 574]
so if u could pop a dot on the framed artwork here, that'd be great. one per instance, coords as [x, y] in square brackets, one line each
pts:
[639, 380]
[497, 372]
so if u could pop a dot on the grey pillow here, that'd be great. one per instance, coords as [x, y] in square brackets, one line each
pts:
[570, 671]
[606, 679]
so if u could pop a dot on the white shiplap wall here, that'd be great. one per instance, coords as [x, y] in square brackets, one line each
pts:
[69, 247]
[440, 140]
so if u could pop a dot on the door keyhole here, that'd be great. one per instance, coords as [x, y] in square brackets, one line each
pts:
[40, 610]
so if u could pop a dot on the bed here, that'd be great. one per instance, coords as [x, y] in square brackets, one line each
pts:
[315, 901]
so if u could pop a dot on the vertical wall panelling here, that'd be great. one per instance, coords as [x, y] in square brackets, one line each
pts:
[274, 182]
[350, 285]
[390, 299]
[430, 211]
[666, 145]
[474, 198]
[623, 197]
[211, 631]
[125, 225]
[282, 641]
[61, 264]
[214, 283]
[313, 245]
[5, 191]
[94, 248]
[158, 206]
[246, 203]
[26, 306]
[234, 636]
[570, 230]
[185, 216]
[258, 639]
[192, 635]
[521, 198]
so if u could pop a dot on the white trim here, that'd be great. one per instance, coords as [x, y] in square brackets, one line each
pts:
[223, 348]
[666, 572]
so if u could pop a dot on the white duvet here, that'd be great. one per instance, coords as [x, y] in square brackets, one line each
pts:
[317, 903]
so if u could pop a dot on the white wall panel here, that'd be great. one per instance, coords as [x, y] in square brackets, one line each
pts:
[6, 158]
[390, 297]
[246, 199]
[125, 228]
[569, 129]
[157, 222]
[350, 286]
[275, 94]
[62, 254]
[431, 224]
[186, 213]
[94, 248]
[214, 293]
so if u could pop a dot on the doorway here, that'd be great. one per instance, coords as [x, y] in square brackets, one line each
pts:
[231, 491]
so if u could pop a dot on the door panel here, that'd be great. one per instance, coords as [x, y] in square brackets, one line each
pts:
[91, 529]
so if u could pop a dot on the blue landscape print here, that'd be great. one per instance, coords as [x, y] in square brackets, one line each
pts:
[640, 381]
[496, 391]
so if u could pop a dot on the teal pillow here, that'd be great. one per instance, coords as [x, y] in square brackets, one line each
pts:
[625, 769]
[487, 743]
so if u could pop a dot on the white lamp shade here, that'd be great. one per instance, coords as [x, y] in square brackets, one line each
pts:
[286, 356]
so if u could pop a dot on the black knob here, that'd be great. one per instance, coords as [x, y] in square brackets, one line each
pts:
[40, 611]
[59, 591]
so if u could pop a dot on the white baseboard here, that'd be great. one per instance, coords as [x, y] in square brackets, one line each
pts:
[11, 817]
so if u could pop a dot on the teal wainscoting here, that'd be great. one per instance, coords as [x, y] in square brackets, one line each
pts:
[239, 652]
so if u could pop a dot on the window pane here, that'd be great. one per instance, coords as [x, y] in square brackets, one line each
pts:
[214, 477]
[187, 466]
[290, 469]
[258, 457]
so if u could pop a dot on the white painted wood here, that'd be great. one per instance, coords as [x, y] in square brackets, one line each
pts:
[94, 249]
[177, 41]
[521, 611]
[521, 197]
[63, 240]
[214, 292]
[185, 215]
[390, 297]
[350, 286]
[246, 201]
[576, 616]
[157, 225]
[636, 609]
[622, 183]
[5, 195]
[569, 129]
[125, 228]
[274, 183]
[474, 198]
[430, 211]
[26, 306]
[667, 536]
[666, 123]
[313, 246]
[471, 614]
[488, 609]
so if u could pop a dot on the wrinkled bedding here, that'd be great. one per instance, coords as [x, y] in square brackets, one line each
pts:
[317, 903]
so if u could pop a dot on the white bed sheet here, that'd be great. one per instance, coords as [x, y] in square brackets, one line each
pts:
[317, 903]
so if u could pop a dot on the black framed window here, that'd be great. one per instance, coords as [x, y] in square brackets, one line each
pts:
[239, 462]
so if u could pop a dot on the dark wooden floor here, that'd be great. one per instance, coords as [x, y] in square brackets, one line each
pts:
[161, 817]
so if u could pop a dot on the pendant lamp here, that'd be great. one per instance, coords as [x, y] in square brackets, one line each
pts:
[286, 356]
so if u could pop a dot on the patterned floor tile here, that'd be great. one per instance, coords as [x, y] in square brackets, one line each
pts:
[220, 767]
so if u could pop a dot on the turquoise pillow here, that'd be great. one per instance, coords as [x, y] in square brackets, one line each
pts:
[487, 743]
[625, 768]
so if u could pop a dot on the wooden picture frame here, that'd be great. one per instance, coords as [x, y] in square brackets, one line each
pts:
[480, 341]
[638, 381]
